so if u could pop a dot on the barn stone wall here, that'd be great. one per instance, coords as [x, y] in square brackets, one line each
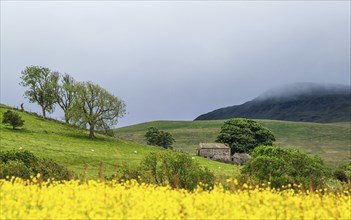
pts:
[222, 154]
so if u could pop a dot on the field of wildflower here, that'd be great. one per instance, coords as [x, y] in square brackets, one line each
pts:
[33, 199]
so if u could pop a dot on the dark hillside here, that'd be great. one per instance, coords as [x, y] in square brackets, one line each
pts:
[318, 105]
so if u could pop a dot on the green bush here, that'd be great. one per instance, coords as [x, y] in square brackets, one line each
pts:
[124, 172]
[25, 164]
[12, 118]
[282, 166]
[50, 169]
[342, 172]
[14, 168]
[169, 168]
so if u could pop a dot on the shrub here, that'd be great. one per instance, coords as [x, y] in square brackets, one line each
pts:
[13, 119]
[169, 168]
[340, 175]
[342, 172]
[50, 169]
[14, 168]
[26, 157]
[175, 169]
[24, 164]
[159, 138]
[125, 172]
[243, 135]
[282, 166]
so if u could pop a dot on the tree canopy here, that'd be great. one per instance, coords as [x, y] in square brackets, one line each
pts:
[95, 107]
[159, 138]
[65, 93]
[243, 135]
[41, 83]
[13, 119]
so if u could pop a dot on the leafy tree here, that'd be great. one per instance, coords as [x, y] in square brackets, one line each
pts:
[12, 118]
[65, 93]
[152, 136]
[96, 107]
[243, 135]
[159, 138]
[41, 83]
[282, 166]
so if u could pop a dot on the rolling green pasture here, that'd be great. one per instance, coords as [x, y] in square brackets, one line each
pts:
[330, 141]
[72, 148]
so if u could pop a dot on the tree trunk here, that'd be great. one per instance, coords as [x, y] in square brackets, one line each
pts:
[91, 131]
[66, 118]
[43, 110]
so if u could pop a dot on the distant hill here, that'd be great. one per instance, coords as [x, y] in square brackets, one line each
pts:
[306, 102]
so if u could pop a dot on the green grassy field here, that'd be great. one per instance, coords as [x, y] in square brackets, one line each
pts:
[72, 148]
[330, 141]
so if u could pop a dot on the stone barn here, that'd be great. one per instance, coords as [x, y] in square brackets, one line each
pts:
[214, 151]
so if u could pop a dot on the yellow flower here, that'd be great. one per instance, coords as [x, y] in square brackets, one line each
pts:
[24, 199]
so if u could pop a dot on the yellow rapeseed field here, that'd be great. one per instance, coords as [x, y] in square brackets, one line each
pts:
[72, 199]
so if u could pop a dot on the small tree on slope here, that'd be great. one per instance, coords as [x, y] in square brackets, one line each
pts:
[95, 107]
[159, 138]
[41, 83]
[12, 118]
[65, 93]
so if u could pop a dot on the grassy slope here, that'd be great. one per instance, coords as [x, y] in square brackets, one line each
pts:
[71, 147]
[331, 141]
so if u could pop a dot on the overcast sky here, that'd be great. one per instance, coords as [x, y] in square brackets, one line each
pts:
[176, 60]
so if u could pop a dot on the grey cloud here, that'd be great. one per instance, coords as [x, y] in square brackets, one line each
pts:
[176, 60]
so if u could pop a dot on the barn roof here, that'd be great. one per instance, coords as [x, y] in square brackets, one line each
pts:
[212, 146]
